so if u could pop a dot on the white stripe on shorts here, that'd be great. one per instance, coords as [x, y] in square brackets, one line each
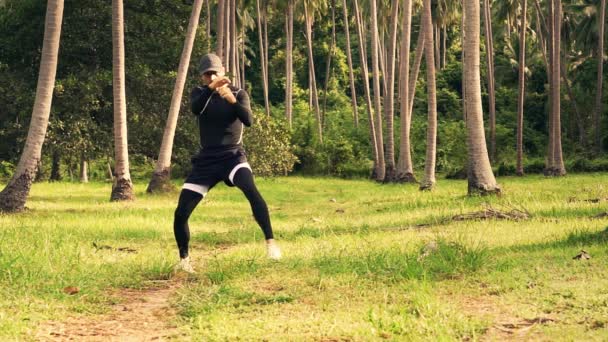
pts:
[201, 189]
[236, 168]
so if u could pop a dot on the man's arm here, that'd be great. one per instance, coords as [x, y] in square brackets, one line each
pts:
[243, 108]
[199, 97]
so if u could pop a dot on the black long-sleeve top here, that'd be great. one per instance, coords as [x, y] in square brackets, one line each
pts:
[220, 122]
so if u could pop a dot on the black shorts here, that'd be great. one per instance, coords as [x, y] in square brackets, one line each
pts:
[210, 168]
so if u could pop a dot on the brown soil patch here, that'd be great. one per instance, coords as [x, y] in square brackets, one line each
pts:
[142, 315]
[504, 324]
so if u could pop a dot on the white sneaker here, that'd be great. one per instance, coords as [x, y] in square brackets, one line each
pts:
[184, 265]
[273, 251]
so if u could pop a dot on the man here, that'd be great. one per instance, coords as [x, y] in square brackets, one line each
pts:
[222, 111]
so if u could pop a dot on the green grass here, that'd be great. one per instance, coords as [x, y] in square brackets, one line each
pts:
[362, 261]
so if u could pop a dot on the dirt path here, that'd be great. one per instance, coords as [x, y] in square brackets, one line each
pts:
[141, 315]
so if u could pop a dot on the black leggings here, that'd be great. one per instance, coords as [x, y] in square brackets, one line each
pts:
[188, 200]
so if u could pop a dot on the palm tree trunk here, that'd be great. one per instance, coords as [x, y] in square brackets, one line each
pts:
[262, 59]
[428, 181]
[55, 166]
[289, 63]
[243, 37]
[328, 66]
[380, 167]
[227, 35]
[368, 100]
[491, 92]
[420, 46]
[405, 172]
[522, 90]
[161, 178]
[444, 52]
[437, 47]
[122, 188]
[311, 66]
[559, 168]
[234, 56]
[549, 167]
[389, 102]
[219, 42]
[600, 79]
[480, 176]
[462, 57]
[14, 195]
[351, 76]
[84, 169]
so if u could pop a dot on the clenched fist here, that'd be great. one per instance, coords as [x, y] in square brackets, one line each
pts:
[227, 94]
[218, 82]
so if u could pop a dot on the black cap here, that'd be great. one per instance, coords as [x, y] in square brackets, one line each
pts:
[210, 62]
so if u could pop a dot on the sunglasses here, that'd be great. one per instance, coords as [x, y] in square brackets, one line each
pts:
[210, 73]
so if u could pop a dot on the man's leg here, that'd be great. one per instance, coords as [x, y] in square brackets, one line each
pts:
[243, 179]
[189, 198]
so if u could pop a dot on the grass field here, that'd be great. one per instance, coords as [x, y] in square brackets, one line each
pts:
[362, 261]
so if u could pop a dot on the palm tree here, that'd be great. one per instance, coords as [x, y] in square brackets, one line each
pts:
[221, 26]
[480, 176]
[379, 171]
[522, 89]
[311, 68]
[289, 62]
[555, 161]
[263, 59]
[366, 88]
[390, 172]
[14, 195]
[353, 93]
[122, 188]
[405, 171]
[428, 181]
[161, 178]
[491, 83]
[600, 78]
[329, 56]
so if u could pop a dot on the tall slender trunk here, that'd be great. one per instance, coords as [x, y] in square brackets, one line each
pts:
[550, 35]
[491, 92]
[14, 195]
[122, 188]
[522, 89]
[376, 80]
[368, 100]
[289, 62]
[235, 50]
[311, 66]
[428, 181]
[161, 178]
[265, 23]
[329, 56]
[600, 80]
[480, 177]
[405, 172]
[559, 168]
[437, 47]
[243, 37]
[462, 57]
[227, 35]
[444, 50]
[84, 169]
[418, 54]
[263, 60]
[219, 41]
[351, 76]
[389, 102]
[208, 24]
[55, 166]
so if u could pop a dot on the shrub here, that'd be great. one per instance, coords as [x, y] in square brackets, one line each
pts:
[268, 146]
